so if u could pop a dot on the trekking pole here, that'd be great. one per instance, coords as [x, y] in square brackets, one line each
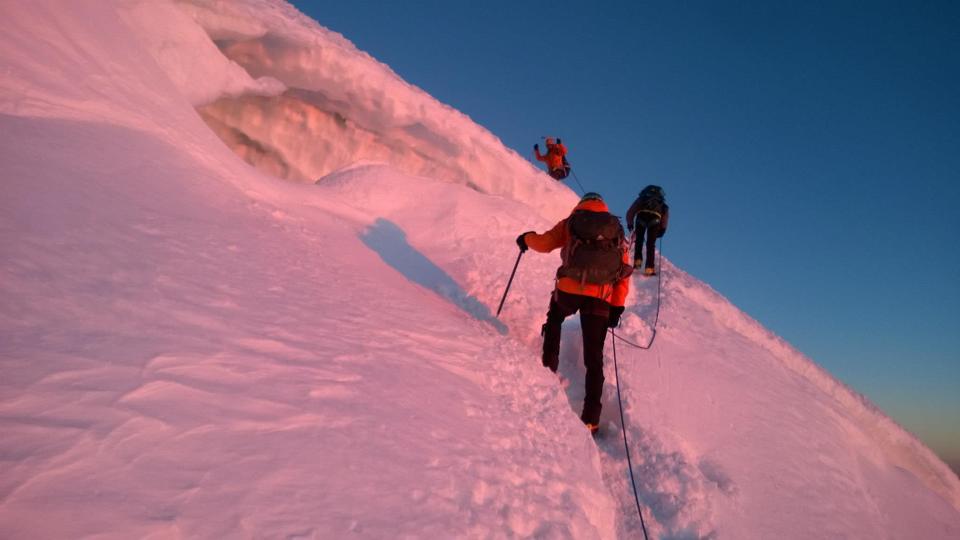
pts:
[515, 265]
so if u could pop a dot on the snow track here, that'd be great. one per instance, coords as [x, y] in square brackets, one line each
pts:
[670, 486]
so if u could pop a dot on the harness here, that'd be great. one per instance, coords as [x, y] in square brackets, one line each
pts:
[657, 215]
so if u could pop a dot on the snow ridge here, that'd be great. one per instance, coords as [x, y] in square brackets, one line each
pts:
[350, 107]
[900, 447]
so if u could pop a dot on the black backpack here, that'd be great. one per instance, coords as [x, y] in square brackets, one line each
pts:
[652, 199]
[594, 253]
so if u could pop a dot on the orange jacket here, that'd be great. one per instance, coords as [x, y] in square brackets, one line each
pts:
[554, 156]
[557, 237]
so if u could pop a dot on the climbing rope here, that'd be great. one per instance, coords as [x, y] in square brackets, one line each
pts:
[616, 371]
[656, 318]
[574, 173]
[623, 425]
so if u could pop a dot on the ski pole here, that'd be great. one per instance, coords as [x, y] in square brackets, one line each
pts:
[515, 265]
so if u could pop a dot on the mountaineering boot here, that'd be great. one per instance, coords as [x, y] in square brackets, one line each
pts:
[649, 272]
[637, 263]
[594, 428]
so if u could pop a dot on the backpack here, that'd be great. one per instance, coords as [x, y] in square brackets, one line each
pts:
[652, 200]
[594, 252]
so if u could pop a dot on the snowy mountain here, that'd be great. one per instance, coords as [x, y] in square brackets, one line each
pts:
[192, 347]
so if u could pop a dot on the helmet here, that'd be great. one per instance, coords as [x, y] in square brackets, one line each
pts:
[591, 196]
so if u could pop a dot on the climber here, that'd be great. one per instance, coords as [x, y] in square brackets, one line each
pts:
[593, 279]
[555, 158]
[648, 214]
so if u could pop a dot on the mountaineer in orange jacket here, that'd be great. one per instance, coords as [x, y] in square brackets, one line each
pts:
[593, 279]
[555, 158]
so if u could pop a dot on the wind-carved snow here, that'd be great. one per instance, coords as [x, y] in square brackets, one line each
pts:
[341, 106]
[191, 348]
[189, 58]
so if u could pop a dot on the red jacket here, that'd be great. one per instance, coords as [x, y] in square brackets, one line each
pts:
[554, 156]
[558, 236]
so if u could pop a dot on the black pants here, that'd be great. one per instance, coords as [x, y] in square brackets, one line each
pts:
[594, 314]
[648, 226]
[561, 173]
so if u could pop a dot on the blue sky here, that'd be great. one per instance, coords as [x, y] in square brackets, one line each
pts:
[810, 152]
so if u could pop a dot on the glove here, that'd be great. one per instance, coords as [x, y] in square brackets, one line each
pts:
[536, 147]
[521, 243]
[615, 313]
[559, 141]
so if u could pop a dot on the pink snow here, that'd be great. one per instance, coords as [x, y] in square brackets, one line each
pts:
[190, 347]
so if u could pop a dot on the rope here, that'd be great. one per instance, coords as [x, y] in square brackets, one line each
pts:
[656, 318]
[616, 371]
[623, 425]
[574, 173]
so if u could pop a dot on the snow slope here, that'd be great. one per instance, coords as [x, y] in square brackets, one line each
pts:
[191, 348]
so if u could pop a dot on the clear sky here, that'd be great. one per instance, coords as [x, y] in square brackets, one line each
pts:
[810, 152]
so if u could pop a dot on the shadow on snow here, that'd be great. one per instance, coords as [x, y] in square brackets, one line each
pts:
[390, 242]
